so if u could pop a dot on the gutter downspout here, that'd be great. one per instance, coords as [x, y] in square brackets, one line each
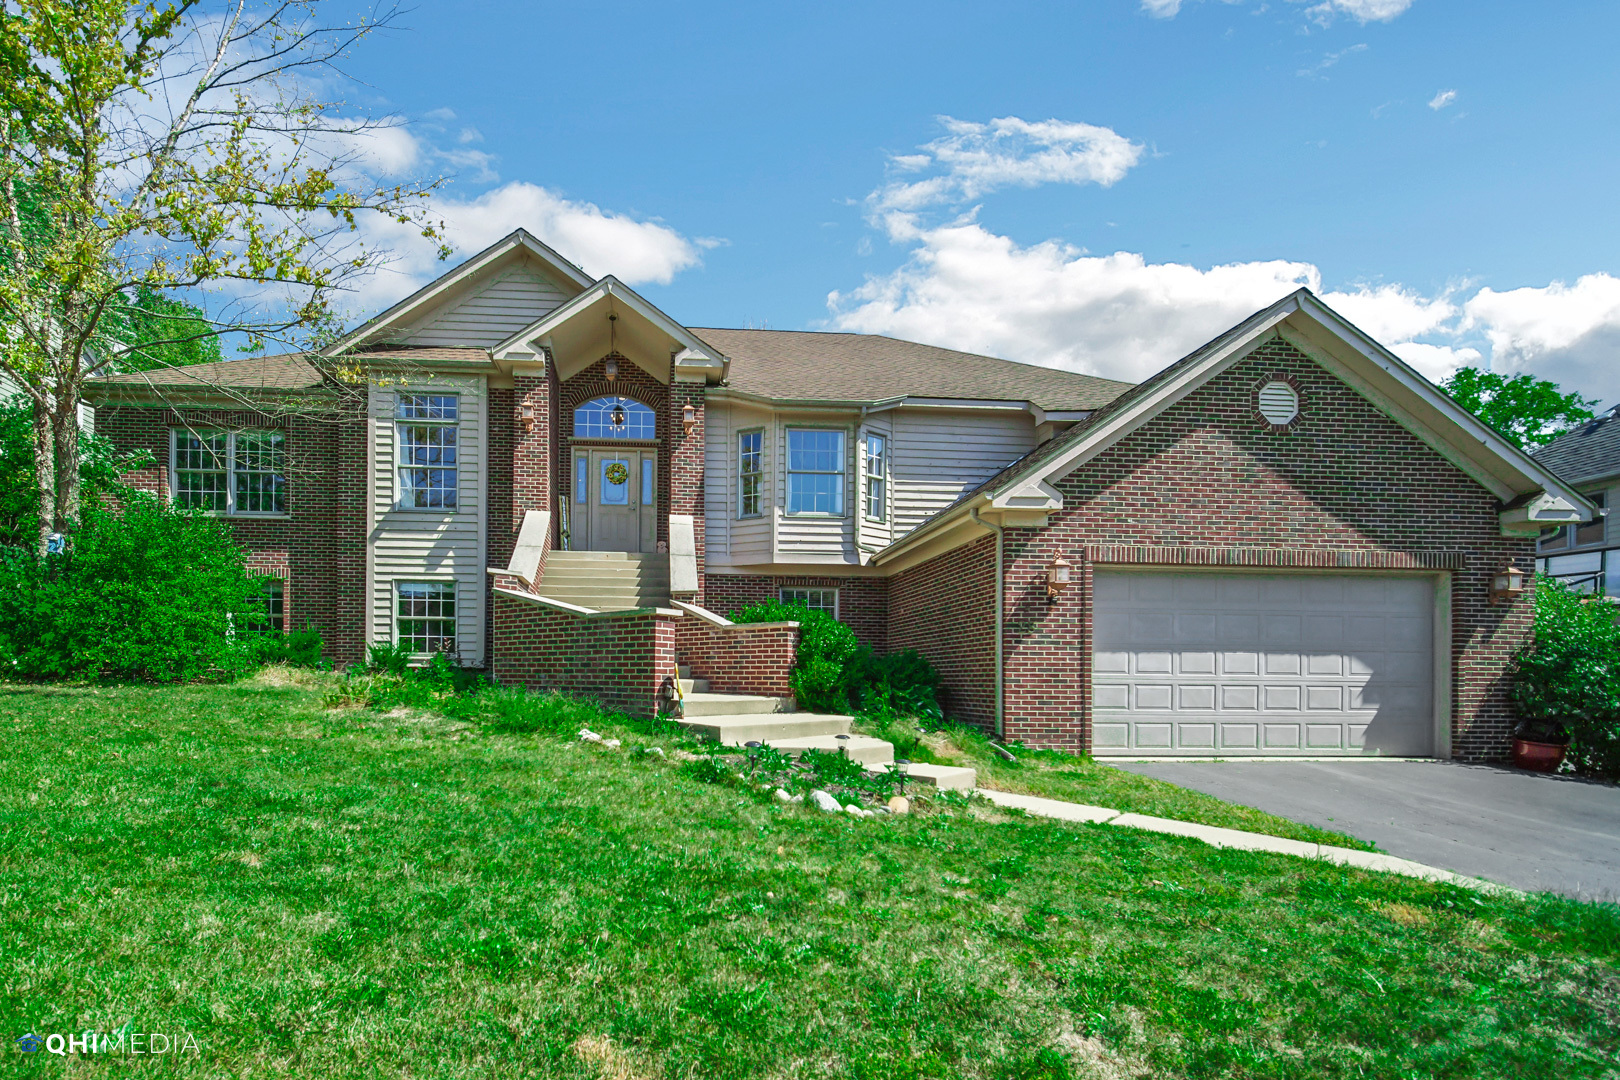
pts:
[1001, 593]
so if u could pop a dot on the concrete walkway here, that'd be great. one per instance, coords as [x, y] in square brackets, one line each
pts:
[1527, 830]
[1231, 838]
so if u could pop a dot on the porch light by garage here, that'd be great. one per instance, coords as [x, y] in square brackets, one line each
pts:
[1506, 584]
[1058, 575]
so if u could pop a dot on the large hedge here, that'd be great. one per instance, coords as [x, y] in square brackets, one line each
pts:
[144, 592]
[834, 673]
[1569, 675]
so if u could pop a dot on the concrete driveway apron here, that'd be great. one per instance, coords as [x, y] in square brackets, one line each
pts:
[1528, 831]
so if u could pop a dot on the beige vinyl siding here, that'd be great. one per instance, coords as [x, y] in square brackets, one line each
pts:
[430, 545]
[874, 535]
[728, 538]
[489, 314]
[937, 454]
[813, 537]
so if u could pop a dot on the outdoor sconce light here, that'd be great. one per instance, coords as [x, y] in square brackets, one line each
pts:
[688, 418]
[528, 417]
[1058, 575]
[612, 369]
[1506, 583]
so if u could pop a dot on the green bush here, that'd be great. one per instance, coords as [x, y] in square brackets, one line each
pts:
[145, 592]
[1569, 675]
[300, 648]
[833, 672]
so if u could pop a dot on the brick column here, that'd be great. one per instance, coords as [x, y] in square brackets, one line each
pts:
[686, 460]
[531, 449]
[350, 526]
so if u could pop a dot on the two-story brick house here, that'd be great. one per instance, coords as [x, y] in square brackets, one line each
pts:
[1282, 544]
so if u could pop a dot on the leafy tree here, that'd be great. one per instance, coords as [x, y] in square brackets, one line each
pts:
[1530, 411]
[101, 469]
[147, 149]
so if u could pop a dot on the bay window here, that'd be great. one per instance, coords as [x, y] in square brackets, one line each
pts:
[815, 471]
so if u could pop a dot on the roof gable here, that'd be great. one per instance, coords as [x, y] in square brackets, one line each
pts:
[1532, 494]
[509, 284]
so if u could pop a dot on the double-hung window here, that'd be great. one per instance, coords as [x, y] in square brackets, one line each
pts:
[427, 616]
[427, 451]
[241, 472]
[815, 471]
[877, 475]
[750, 473]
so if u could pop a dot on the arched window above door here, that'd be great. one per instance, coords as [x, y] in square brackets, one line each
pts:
[614, 418]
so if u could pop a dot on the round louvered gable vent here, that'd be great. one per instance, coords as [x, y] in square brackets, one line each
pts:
[1279, 403]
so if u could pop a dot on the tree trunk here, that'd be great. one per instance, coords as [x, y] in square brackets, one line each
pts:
[45, 470]
[66, 423]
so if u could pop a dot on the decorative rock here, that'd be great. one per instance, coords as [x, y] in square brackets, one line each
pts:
[783, 796]
[611, 744]
[851, 808]
[587, 735]
[899, 804]
[659, 750]
[825, 802]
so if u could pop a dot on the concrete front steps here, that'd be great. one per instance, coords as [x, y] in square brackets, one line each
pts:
[606, 580]
[739, 719]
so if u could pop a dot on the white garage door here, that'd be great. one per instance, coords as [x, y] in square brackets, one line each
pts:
[1262, 664]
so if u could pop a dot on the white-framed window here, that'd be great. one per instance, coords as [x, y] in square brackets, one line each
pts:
[229, 472]
[274, 618]
[815, 473]
[877, 477]
[614, 418]
[426, 616]
[1592, 531]
[427, 451]
[750, 473]
[814, 599]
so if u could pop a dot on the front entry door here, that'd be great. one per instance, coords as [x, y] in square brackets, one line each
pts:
[622, 499]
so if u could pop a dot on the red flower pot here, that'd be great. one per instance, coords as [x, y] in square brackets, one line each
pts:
[1537, 756]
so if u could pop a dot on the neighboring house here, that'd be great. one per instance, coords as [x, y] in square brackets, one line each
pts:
[1281, 544]
[1586, 555]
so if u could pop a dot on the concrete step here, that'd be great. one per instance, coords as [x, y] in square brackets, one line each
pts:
[684, 670]
[606, 556]
[737, 729]
[947, 777]
[604, 599]
[702, 704]
[694, 686]
[606, 581]
[862, 748]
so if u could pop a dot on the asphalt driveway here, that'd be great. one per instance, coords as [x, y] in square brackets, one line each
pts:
[1532, 832]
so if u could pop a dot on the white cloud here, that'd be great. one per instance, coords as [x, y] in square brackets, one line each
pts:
[964, 287]
[1363, 11]
[1161, 9]
[600, 241]
[973, 159]
[1442, 99]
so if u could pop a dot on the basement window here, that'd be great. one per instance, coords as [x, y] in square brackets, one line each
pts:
[427, 616]
[814, 599]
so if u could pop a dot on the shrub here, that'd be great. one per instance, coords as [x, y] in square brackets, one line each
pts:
[833, 672]
[1569, 675]
[300, 648]
[145, 592]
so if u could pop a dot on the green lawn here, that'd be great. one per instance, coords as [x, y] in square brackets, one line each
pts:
[317, 893]
[1057, 775]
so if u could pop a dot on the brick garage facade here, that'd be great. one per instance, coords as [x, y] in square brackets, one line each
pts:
[318, 546]
[945, 609]
[1208, 482]
[619, 658]
[862, 601]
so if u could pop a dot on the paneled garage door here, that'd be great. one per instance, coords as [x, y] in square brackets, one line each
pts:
[1262, 664]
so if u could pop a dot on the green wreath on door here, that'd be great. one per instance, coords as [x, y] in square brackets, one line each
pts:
[617, 473]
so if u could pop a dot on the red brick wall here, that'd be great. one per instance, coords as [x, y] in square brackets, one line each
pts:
[744, 659]
[945, 609]
[319, 546]
[686, 459]
[862, 601]
[1207, 476]
[618, 660]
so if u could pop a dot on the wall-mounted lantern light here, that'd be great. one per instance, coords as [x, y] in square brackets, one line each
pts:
[612, 367]
[1058, 575]
[527, 413]
[1506, 584]
[688, 418]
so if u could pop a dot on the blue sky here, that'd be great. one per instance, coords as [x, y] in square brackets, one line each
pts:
[1099, 186]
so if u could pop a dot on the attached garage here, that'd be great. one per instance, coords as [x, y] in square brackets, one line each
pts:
[1263, 664]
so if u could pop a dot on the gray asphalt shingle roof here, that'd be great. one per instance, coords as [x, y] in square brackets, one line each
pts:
[1590, 452]
[807, 365]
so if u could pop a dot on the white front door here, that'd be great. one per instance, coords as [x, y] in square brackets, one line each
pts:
[1262, 664]
[621, 499]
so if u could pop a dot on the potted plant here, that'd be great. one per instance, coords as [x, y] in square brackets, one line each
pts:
[1540, 745]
